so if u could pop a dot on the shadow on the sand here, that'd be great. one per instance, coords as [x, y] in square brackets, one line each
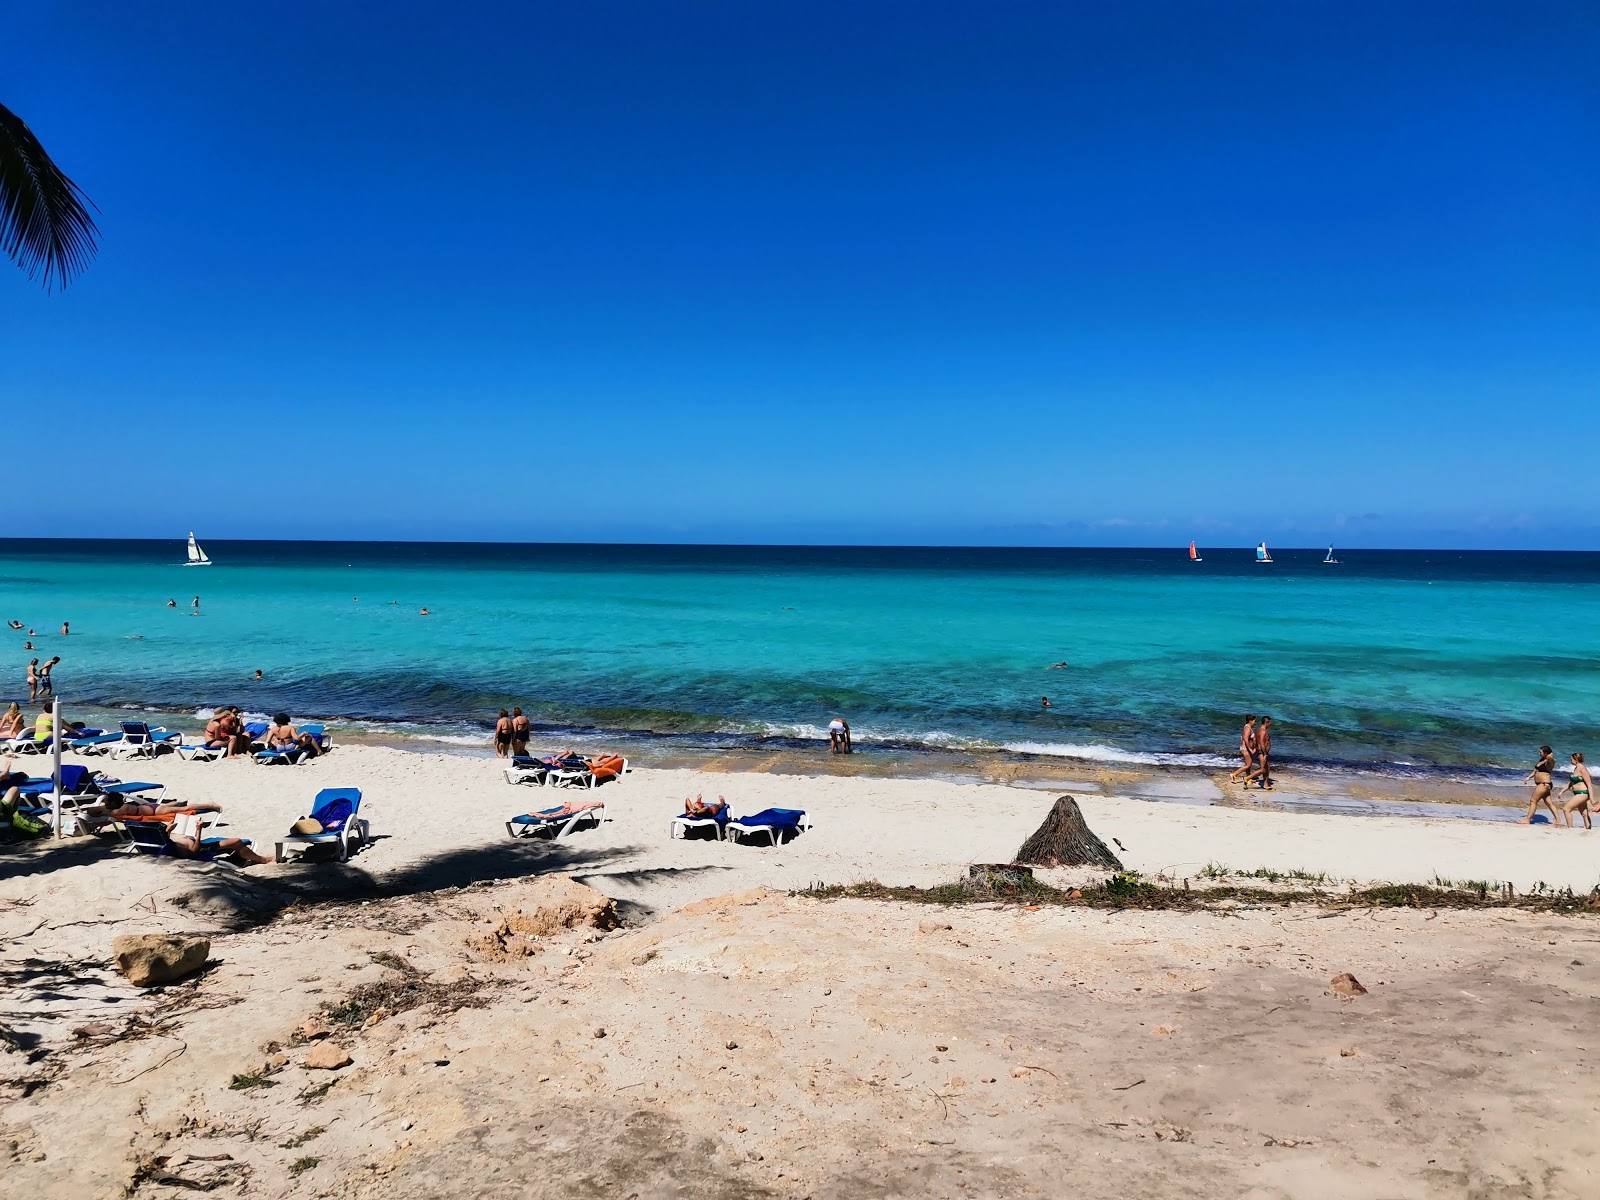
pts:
[20, 859]
[258, 895]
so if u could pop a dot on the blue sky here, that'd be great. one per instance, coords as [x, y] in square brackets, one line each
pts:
[891, 272]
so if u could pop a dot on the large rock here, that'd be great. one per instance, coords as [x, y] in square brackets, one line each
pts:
[150, 959]
[327, 1056]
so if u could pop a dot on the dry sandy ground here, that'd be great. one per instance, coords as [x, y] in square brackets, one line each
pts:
[769, 1046]
[873, 1051]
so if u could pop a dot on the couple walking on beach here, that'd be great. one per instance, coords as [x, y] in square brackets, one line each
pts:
[511, 731]
[1543, 779]
[1255, 747]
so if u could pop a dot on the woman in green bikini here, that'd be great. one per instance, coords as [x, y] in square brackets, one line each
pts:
[1580, 785]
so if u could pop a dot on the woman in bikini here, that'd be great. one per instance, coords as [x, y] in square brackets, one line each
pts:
[521, 727]
[1580, 785]
[33, 681]
[1247, 748]
[1541, 778]
[11, 723]
[502, 735]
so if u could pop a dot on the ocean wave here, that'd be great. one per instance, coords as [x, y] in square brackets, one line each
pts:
[1098, 752]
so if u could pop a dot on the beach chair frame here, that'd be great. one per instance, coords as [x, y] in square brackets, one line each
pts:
[739, 830]
[555, 824]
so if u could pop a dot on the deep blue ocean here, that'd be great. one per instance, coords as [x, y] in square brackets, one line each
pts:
[1392, 660]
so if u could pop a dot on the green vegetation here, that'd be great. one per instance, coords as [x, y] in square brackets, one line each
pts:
[242, 1083]
[300, 1139]
[1127, 889]
[301, 1165]
[312, 1095]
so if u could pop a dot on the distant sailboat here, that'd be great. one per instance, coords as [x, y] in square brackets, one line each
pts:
[197, 556]
[1261, 554]
[1193, 556]
[1331, 560]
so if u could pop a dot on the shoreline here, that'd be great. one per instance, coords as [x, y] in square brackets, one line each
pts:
[1472, 793]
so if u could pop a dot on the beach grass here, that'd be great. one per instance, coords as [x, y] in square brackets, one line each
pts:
[1128, 889]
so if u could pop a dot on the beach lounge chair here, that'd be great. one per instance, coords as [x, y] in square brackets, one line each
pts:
[527, 770]
[337, 811]
[141, 740]
[717, 823]
[151, 836]
[557, 822]
[774, 823]
[198, 752]
[93, 741]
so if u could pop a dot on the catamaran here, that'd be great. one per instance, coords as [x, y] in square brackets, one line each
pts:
[1261, 554]
[1331, 560]
[1193, 555]
[197, 556]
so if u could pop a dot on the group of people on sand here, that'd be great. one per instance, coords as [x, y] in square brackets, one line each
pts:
[226, 732]
[111, 806]
[510, 737]
[1579, 783]
[1255, 748]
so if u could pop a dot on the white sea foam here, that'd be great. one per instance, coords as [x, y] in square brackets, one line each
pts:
[1096, 752]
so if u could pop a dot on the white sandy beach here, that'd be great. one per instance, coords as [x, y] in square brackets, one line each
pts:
[440, 818]
[731, 1041]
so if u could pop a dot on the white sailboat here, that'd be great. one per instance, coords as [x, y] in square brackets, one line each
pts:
[1331, 560]
[197, 556]
[1261, 554]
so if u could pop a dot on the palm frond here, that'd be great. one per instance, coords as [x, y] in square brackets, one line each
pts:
[46, 226]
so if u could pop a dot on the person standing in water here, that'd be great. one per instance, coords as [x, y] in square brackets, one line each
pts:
[1247, 748]
[33, 680]
[839, 736]
[197, 604]
[1580, 785]
[1542, 778]
[1263, 767]
[47, 685]
[66, 629]
[502, 735]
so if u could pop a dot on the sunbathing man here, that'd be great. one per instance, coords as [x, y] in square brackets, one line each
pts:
[699, 808]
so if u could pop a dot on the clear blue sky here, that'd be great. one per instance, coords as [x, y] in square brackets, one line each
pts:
[889, 272]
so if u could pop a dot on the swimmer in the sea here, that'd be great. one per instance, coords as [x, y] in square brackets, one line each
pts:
[424, 613]
[258, 673]
[172, 604]
[1045, 703]
[1060, 666]
[15, 624]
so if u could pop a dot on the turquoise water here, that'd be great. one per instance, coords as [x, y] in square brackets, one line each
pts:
[1398, 661]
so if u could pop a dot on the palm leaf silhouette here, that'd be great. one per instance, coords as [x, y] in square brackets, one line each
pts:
[46, 225]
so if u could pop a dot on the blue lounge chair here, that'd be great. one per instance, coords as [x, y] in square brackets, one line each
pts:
[141, 740]
[93, 741]
[717, 823]
[775, 823]
[337, 811]
[557, 822]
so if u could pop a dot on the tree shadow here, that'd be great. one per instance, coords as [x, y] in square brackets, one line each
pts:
[252, 897]
[18, 860]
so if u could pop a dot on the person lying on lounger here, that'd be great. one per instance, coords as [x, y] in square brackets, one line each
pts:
[699, 808]
[237, 847]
